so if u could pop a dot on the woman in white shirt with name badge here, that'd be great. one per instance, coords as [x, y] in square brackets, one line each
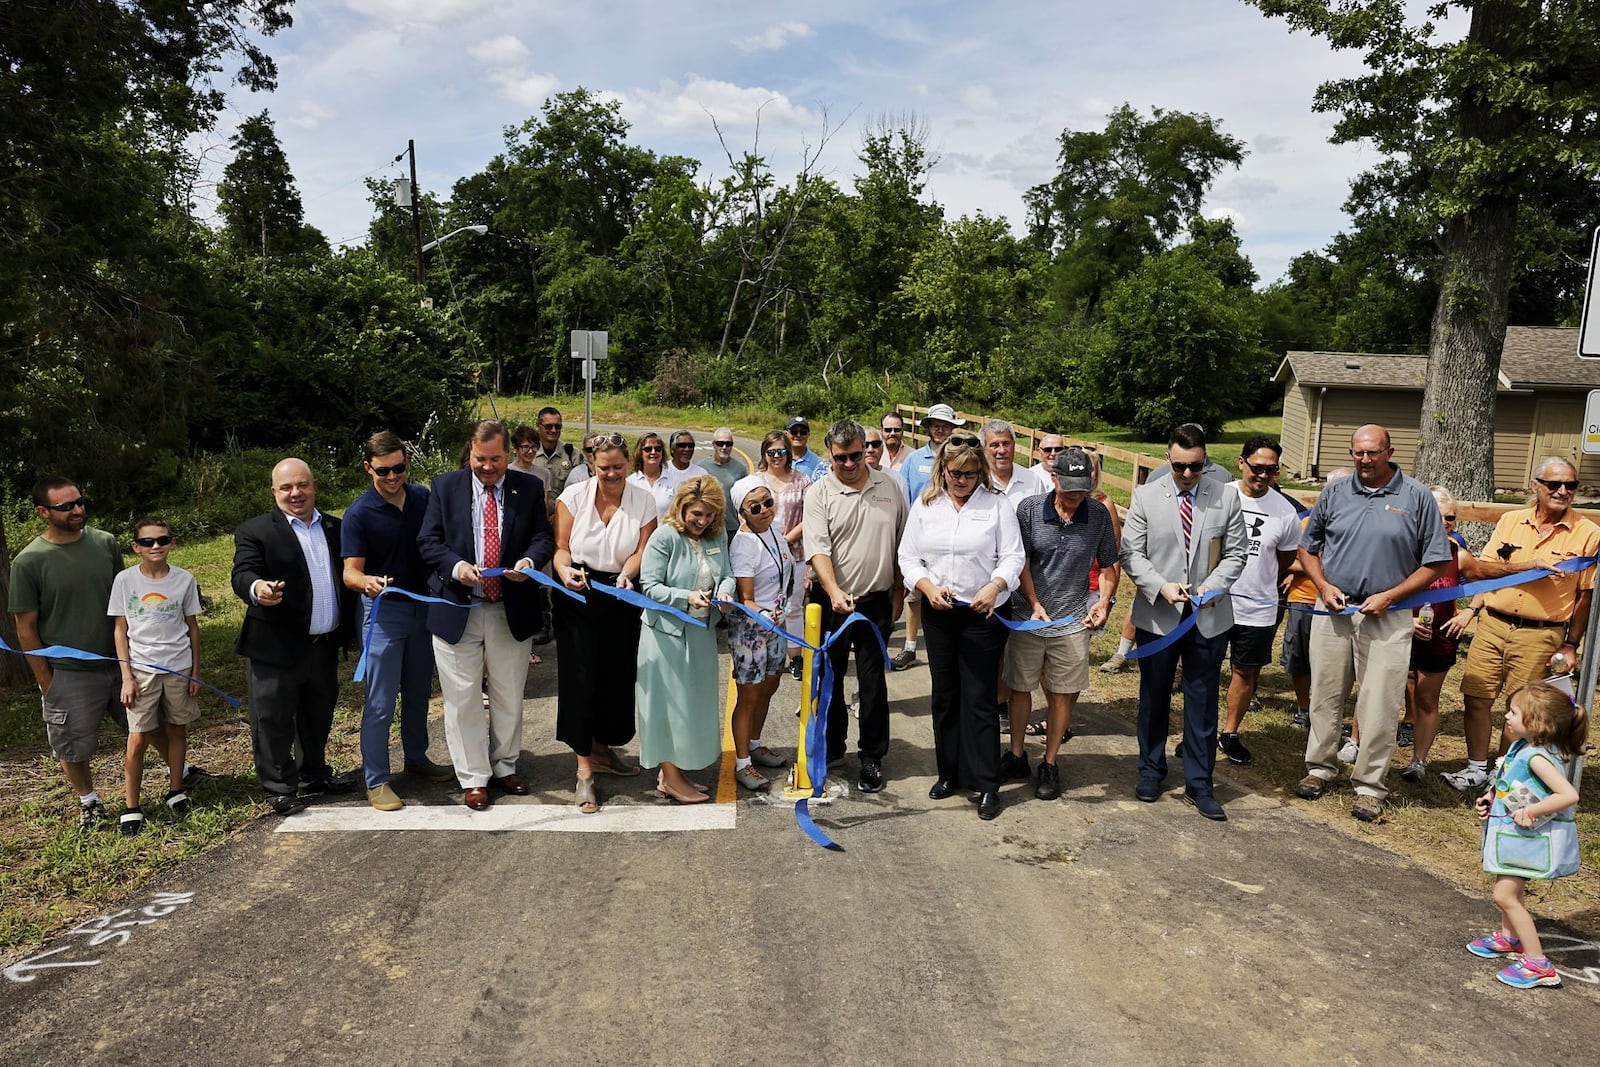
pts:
[962, 551]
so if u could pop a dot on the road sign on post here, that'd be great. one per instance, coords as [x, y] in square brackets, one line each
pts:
[1591, 424]
[589, 346]
[1589, 331]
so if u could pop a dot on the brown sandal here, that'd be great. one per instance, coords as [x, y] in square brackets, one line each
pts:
[587, 801]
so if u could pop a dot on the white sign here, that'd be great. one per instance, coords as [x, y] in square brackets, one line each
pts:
[1591, 424]
[589, 344]
[1589, 331]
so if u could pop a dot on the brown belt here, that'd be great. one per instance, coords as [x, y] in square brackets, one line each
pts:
[1519, 621]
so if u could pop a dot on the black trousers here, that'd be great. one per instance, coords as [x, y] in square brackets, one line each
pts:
[291, 715]
[598, 645]
[873, 742]
[964, 651]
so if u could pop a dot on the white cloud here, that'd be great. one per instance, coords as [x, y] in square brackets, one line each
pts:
[1268, 145]
[309, 115]
[676, 107]
[528, 90]
[980, 98]
[500, 52]
[773, 37]
[393, 11]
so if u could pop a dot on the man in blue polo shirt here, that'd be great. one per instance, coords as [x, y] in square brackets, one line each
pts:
[379, 545]
[1371, 541]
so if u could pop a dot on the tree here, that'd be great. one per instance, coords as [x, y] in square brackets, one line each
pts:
[1172, 346]
[1478, 125]
[257, 197]
[1123, 193]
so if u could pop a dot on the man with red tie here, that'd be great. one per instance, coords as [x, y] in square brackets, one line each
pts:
[481, 518]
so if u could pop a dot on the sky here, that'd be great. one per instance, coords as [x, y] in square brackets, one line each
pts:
[995, 82]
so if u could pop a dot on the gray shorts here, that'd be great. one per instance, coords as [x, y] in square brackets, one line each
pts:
[73, 708]
[1296, 657]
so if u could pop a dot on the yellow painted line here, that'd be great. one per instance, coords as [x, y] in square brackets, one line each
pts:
[727, 788]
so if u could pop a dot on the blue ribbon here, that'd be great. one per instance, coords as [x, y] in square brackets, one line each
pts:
[817, 740]
[1026, 625]
[639, 600]
[67, 652]
[1150, 648]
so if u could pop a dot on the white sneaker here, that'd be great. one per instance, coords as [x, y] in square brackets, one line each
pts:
[1348, 750]
[1466, 780]
[1415, 771]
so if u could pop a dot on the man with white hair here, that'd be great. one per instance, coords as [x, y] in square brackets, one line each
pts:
[727, 468]
[1526, 630]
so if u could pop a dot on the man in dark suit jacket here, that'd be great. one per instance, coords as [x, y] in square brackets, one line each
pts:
[286, 569]
[479, 518]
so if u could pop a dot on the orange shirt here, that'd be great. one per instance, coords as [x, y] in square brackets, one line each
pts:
[1552, 598]
[1302, 590]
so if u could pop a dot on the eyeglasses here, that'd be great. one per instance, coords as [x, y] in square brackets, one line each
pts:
[848, 458]
[527, 445]
[1189, 468]
[776, 453]
[608, 439]
[800, 433]
[152, 542]
[1262, 468]
[760, 506]
[550, 427]
[384, 472]
[682, 444]
[69, 505]
[962, 474]
[1449, 518]
[961, 440]
[1369, 453]
[1556, 484]
[722, 444]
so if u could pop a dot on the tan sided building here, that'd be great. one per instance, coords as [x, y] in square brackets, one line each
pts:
[1538, 405]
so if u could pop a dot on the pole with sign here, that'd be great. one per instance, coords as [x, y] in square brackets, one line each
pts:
[590, 347]
[1589, 329]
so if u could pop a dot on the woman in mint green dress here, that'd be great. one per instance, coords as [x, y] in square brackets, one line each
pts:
[685, 565]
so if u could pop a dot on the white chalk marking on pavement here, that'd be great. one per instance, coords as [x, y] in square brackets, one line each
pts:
[1243, 887]
[550, 818]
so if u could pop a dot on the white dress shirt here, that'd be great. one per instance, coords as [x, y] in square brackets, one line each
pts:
[963, 548]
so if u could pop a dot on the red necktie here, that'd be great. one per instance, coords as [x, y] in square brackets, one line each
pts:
[1186, 516]
[491, 543]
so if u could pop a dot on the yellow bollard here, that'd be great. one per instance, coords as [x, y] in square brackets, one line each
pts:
[799, 784]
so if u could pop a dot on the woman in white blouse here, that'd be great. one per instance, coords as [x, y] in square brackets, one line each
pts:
[602, 525]
[962, 551]
[767, 578]
[652, 472]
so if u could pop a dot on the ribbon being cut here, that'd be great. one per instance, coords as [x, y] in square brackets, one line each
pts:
[66, 652]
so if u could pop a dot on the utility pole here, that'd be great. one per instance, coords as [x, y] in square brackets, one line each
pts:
[416, 195]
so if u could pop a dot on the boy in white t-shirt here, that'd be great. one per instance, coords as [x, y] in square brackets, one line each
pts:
[156, 607]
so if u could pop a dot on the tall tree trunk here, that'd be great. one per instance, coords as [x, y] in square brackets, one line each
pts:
[1456, 443]
[13, 669]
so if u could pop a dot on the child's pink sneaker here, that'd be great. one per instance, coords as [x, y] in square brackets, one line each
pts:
[1525, 972]
[1494, 945]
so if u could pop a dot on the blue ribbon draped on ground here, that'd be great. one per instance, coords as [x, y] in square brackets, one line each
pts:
[66, 652]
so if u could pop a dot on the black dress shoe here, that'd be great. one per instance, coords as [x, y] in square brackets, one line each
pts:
[286, 804]
[871, 776]
[544, 636]
[1148, 790]
[941, 789]
[1206, 805]
[988, 805]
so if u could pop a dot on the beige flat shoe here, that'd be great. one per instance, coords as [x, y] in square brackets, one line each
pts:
[384, 799]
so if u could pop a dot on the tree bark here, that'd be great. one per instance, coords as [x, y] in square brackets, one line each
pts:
[13, 669]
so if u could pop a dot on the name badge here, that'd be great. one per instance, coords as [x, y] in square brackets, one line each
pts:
[713, 551]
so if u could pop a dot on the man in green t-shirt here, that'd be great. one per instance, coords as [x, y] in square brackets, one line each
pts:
[60, 584]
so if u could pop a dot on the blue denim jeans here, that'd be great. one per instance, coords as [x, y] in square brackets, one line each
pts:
[399, 669]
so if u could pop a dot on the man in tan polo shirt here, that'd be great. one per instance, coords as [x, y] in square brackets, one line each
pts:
[854, 516]
[1525, 632]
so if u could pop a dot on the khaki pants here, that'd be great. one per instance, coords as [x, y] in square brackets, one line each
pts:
[1374, 651]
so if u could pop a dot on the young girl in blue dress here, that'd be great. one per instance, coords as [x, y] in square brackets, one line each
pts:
[1529, 830]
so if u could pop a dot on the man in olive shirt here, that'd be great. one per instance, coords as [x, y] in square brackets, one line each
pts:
[854, 516]
[60, 584]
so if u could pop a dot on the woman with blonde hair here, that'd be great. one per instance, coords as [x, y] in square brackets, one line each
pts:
[686, 566]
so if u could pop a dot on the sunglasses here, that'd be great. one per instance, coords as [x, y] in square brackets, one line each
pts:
[1190, 468]
[607, 439]
[652, 448]
[722, 444]
[550, 427]
[892, 429]
[961, 440]
[1552, 484]
[384, 472]
[152, 542]
[874, 444]
[848, 458]
[962, 474]
[1051, 450]
[1449, 518]
[682, 444]
[774, 453]
[1262, 468]
[760, 506]
[69, 505]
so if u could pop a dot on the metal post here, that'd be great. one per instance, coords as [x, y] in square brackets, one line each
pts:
[1586, 681]
[416, 216]
[799, 785]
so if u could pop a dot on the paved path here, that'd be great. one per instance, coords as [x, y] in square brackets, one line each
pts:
[1090, 929]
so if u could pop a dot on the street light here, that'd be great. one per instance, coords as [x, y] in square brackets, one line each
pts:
[480, 229]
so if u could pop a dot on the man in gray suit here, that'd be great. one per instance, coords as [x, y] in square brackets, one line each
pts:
[1182, 538]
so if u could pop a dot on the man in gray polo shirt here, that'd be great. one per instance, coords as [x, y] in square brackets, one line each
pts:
[1371, 541]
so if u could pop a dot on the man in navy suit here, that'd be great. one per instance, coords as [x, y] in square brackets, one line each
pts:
[286, 569]
[1181, 538]
[480, 518]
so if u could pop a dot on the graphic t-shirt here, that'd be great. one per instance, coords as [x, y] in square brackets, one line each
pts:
[1271, 525]
[157, 610]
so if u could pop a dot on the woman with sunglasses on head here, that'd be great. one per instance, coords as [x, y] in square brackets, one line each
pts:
[652, 472]
[602, 526]
[685, 565]
[766, 576]
[788, 487]
[962, 551]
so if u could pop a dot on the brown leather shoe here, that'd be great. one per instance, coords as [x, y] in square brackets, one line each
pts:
[511, 785]
[476, 797]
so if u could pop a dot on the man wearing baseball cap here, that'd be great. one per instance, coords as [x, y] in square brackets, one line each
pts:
[939, 422]
[801, 458]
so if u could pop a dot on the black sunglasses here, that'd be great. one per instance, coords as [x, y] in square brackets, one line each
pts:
[652, 448]
[775, 453]
[69, 505]
[760, 506]
[962, 440]
[1259, 468]
[1449, 518]
[384, 472]
[682, 444]
[152, 542]
[1191, 468]
[848, 457]
[1552, 484]
[1052, 449]
[874, 444]
[722, 444]
[893, 429]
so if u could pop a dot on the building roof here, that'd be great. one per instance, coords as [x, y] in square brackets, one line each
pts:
[1542, 357]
